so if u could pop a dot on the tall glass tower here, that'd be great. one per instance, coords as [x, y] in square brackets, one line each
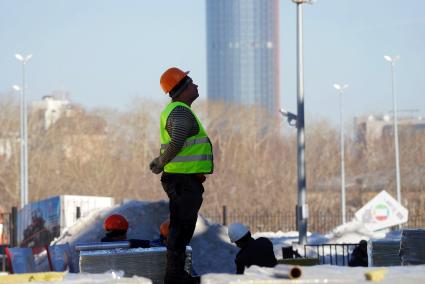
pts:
[243, 52]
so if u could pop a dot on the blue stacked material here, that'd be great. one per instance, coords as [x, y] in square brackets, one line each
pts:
[412, 247]
[384, 252]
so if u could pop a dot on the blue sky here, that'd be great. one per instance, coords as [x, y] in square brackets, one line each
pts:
[106, 52]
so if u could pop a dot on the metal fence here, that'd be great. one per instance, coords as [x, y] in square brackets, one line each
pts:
[273, 221]
[333, 254]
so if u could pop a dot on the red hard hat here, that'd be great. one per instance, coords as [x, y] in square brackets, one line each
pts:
[170, 78]
[164, 229]
[115, 222]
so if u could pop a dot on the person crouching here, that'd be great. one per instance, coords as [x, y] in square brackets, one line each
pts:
[116, 227]
[253, 251]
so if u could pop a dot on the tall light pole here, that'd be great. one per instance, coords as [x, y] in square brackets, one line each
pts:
[302, 208]
[18, 88]
[24, 132]
[392, 60]
[340, 89]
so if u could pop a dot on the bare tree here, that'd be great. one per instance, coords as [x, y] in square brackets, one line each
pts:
[107, 153]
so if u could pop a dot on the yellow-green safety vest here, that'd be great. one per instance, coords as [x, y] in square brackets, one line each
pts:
[196, 156]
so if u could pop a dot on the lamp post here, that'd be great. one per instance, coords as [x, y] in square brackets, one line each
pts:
[392, 60]
[18, 89]
[24, 131]
[340, 89]
[302, 208]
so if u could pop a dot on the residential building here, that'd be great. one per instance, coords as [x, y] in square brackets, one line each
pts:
[53, 106]
[373, 127]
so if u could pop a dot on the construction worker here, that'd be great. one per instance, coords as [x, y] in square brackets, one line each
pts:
[253, 251]
[185, 157]
[359, 255]
[163, 235]
[116, 227]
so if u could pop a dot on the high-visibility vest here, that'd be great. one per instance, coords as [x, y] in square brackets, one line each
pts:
[196, 156]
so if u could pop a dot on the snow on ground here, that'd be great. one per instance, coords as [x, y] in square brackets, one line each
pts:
[213, 254]
[320, 274]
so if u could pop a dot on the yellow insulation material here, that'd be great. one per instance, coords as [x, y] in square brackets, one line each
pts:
[376, 275]
[29, 277]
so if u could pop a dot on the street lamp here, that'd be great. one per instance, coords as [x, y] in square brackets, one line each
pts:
[392, 61]
[302, 208]
[340, 89]
[18, 89]
[24, 131]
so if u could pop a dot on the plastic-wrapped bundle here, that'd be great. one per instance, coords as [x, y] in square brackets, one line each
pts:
[20, 259]
[60, 258]
[384, 252]
[412, 247]
[102, 245]
[146, 262]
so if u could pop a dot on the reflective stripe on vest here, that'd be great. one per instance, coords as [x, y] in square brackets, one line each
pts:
[192, 158]
[190, 142]
[196, 154]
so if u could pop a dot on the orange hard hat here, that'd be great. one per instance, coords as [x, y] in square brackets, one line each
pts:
[171, 77]
[164, 229]
[115, 222]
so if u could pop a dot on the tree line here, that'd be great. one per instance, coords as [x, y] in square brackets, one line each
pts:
[107, 153]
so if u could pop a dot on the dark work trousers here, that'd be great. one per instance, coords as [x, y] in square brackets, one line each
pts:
[185, 194]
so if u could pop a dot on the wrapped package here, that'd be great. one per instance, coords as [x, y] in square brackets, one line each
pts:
[145, 262]
[412, 247]
[384, 252]
[20, 260]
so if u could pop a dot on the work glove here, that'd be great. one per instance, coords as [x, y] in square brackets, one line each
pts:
[155, 166]
[201, 177]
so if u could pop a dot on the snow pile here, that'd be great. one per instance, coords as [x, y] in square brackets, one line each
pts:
[212, 250]
[353, 232]
[144, 219]
[319, 274]
[110, 277]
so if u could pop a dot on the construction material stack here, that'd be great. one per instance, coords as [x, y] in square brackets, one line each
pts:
[412, 247]
[384, 252]
[146, 262]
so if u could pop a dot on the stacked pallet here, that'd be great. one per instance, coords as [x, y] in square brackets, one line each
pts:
[412, 247]
[384, 252]
[145, 262]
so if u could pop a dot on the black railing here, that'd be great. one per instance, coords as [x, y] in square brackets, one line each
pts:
[333, 254]
[257, 221]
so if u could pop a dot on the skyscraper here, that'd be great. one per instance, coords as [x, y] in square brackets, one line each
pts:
[243, 52]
